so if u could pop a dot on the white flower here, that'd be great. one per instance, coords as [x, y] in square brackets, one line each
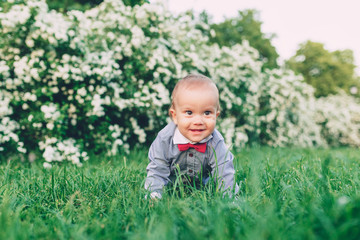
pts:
[25, 106]
[82, 92]
[55, 90]
[18, 14]
[50, 125]
[30, 43]
[30, 118]
[137, 36]
[50, 111]
[98, 110]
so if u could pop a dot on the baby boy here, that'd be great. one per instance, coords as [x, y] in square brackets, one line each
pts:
[190, 146]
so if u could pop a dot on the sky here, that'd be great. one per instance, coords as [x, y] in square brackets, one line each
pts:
[334, 23]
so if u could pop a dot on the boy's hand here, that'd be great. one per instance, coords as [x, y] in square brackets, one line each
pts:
[154, 195]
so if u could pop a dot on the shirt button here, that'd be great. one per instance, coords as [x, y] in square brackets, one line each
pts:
[191, 155]
[190, 171]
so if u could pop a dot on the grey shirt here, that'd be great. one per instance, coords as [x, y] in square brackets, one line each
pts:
[164, 157]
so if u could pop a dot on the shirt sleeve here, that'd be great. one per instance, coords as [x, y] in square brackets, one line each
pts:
[222, 167]
[158, 169]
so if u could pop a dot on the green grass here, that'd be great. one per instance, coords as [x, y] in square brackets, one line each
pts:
[285, 194]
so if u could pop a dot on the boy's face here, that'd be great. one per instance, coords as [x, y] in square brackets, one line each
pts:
[195, 111]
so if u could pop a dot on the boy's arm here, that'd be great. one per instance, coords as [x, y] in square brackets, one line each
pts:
[223, 168]
[158, 170]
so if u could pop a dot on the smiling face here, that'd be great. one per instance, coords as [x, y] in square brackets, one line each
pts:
[195, 110]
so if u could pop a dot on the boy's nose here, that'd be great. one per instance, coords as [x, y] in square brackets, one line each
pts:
[198, 119]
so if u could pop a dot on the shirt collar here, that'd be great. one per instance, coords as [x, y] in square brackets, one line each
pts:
[178, 138]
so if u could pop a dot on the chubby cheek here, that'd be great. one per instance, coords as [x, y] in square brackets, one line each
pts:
[211, 120]
[211, 124]
[183, 121]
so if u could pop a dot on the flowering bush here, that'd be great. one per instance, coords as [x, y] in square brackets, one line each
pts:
[287, 111]
[100, 81]
[339, 117]
[9, 140]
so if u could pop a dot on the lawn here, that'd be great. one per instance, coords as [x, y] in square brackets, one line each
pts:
[286, 193]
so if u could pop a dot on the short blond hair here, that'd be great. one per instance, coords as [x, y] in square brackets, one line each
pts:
[191, 80]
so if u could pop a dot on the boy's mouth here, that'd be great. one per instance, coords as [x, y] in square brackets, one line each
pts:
[196, 130]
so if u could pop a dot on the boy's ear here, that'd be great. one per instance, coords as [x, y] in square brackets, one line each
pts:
[217, 113]
[173, 115]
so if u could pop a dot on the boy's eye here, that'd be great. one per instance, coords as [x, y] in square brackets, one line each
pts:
[207, 113]
[188, 112]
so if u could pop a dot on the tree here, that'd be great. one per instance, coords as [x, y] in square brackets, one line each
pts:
[246, 26]
[328, 72]
[82, 5]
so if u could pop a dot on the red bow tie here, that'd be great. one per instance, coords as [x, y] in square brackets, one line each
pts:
[200, 147]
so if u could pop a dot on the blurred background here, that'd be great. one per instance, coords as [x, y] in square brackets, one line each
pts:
[322, 33]
[91, 77]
